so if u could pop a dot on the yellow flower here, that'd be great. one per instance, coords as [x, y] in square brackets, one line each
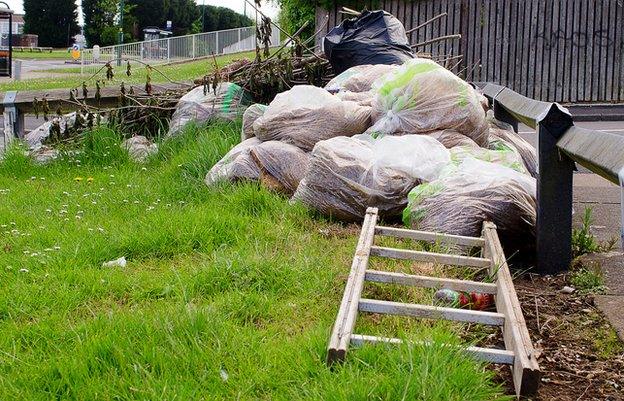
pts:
[78, 179]
[90, 180]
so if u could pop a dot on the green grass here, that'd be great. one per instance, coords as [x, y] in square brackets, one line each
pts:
[177, 72]
[229, 292]
[56, 54]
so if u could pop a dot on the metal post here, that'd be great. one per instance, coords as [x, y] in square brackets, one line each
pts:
[82, 62]
[193, 51]
[217, 43]
[13, 119]
[554, 195]
[501, 114]
[121, 35]
[240, 46]
[168, 49]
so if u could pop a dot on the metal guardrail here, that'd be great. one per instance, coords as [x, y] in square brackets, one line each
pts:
[175, 49]
[560, 145]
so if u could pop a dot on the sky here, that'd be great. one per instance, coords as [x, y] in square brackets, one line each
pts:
[237, 5]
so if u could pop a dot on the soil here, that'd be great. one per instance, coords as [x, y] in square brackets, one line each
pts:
[581, 357]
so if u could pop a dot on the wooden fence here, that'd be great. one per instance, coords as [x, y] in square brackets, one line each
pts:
[568, 51]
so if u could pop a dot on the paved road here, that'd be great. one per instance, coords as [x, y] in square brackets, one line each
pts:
[38, 68]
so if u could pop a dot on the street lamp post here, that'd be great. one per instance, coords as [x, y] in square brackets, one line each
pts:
[203, 16]
[121, 34]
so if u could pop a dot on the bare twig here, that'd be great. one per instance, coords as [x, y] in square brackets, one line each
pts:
[436, 40]
[437, 17]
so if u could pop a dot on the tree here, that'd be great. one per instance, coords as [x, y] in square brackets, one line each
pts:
[295, 13]
[100, 19]
[55, 21]
[220, 18]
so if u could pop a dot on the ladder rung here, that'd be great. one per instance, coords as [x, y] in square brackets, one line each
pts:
[491, 355]
[429, 236]
[431, 312]
[440, 258]
[430, 282]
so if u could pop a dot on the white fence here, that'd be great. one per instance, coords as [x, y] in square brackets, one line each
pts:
[179, 48]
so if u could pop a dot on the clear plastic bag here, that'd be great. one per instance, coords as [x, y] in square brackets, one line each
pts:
[451, 139]
[421, 96]
[282, 166]
[305, 115]
[471, 192]
[236, 165]
[347, 175]
[226, 102]
[500, 153]
[251, 114]
[359, 78]
[502, 133]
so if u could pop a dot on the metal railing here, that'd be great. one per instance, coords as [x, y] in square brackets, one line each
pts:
[560, 145]
[175, 49]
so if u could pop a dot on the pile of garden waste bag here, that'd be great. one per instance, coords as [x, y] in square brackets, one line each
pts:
[413, 140]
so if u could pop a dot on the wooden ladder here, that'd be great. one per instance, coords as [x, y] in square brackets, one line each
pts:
[518, 352]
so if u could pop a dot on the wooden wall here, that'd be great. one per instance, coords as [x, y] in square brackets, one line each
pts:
[568, 51]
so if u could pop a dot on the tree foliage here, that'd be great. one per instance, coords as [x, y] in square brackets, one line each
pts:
[156, 13]
[100, 17]
[55, 21]
[295, 13]
[219, 18]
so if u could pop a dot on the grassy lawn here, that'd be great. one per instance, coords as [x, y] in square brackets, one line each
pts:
[229, 292]
[177, 72]
[56, 54]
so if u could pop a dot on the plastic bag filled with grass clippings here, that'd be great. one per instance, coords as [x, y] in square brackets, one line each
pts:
[236, 165]
[451, 139]
[359, 78]
[361, 98]
[471, 192]
[226, 102]
[420, 97]
[305, 115]
[251, 114]
[282, 166]
[500, 153]
[502, 134]
[347, 175]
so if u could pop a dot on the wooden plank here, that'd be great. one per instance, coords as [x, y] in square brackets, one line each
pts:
[582, 38]
[498, 49]
[514, 29]
[589, 56]
[618, 71]
[429, 236]
[532, 44]
[438, 258]
[608, 39]
[491, 355]
[597, 58]
[492, 43]
[572, 48]
[549, 54]
[507, 23]
[560, 66]
[464, 32]
[347, 314]
[430, 282]
[431, 312]
[481, 74]
[526, 371]
[539, 50]
[612, 42]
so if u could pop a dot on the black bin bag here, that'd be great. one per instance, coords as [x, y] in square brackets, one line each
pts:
[375, 37]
